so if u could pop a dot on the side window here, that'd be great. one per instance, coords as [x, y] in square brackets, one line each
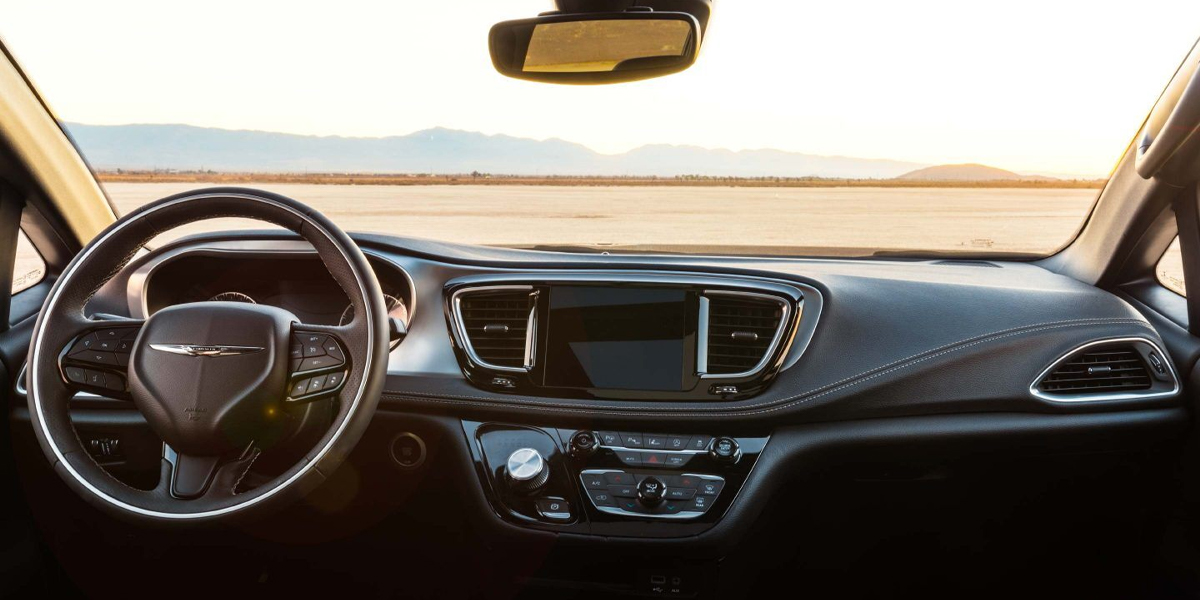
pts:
[29, 267]
[1170, 269]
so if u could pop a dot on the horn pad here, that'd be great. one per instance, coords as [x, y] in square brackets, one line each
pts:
[208, 377]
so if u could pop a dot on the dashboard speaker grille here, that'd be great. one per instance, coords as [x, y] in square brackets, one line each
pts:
[1099, 370]
[496, 325]
[741, 330]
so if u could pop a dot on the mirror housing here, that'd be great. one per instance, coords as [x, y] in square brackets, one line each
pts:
[595, 48]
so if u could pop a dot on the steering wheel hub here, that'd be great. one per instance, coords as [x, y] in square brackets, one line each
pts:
[208, 377]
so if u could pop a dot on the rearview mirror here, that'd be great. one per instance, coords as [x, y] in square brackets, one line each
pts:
[596, 47]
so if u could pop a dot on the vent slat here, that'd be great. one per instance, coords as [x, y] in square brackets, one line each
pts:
[728, 315]
[1117, 368]
[503, 345]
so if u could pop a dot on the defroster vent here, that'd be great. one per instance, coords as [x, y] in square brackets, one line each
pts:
[498, 325]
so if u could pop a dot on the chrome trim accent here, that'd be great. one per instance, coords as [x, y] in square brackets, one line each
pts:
[530, 332]
[19, 387]
[459, 329]
[196, 350]
[1136, 395]
[524, 464]
[702, 337]
[53, 299]
[785, 305]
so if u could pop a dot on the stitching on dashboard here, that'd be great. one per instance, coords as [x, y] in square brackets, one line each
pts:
[775, 405]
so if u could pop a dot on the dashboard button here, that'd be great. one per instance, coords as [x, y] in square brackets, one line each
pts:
[617, 477]
[699, 442]
[601, 498]
[632, 459]
[655, 441]
[670, 507]
[676, 442]
[631, 440]
[594, 481]
[711, 487]
[554, 509]
[701, 503]
[623, 491]
[630, 505]
[678, 493]
[678, 460]
[685, 481]
[654, 459]
[609, 438]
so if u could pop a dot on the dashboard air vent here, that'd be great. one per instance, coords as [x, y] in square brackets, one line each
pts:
[742, 330]
[497, 325]
[1100, 369]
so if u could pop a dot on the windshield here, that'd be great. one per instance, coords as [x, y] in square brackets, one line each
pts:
[837, 128]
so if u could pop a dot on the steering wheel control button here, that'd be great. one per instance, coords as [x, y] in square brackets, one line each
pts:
[408, 450]
[313, 344]
[316, 384]
[526, 470]
[85, 344]
[725, 449]
[299, 388]
[297, 351]
[650, 491]
[553, 509]
[333, 350]
[94, 378]
[318, 362]
[334, 380]
[75, 374]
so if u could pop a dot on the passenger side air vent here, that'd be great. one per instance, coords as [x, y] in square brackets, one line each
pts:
[742, 330]
[498, 325]
[1108, 370]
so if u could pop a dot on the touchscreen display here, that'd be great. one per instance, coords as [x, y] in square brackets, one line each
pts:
[616, 338]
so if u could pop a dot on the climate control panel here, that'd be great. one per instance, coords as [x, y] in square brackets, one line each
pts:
[611, 481]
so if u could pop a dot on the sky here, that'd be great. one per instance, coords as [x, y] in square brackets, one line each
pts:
[1045, 86]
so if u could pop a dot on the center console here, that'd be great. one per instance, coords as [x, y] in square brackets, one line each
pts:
[610, 482]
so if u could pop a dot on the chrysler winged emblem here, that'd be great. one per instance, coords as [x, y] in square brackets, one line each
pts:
[197, 350]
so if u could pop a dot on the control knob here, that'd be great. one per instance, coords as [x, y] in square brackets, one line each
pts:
[583, 444]
[725, 449]
[526, 471]
[651, 491]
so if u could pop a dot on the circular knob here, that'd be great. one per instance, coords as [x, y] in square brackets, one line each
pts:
[725, 449]
[583, 444]
[651, 491]
[526, 470]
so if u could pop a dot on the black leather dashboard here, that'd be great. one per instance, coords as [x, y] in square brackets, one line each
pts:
[893, 338]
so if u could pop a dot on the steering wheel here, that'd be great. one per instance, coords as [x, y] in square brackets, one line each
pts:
[211, 378]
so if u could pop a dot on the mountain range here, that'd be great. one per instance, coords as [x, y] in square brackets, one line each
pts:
[440, 151]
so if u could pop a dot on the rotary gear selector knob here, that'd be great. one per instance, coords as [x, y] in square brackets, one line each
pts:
[526, 471]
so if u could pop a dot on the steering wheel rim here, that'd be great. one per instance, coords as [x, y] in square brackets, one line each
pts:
[365, 341]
